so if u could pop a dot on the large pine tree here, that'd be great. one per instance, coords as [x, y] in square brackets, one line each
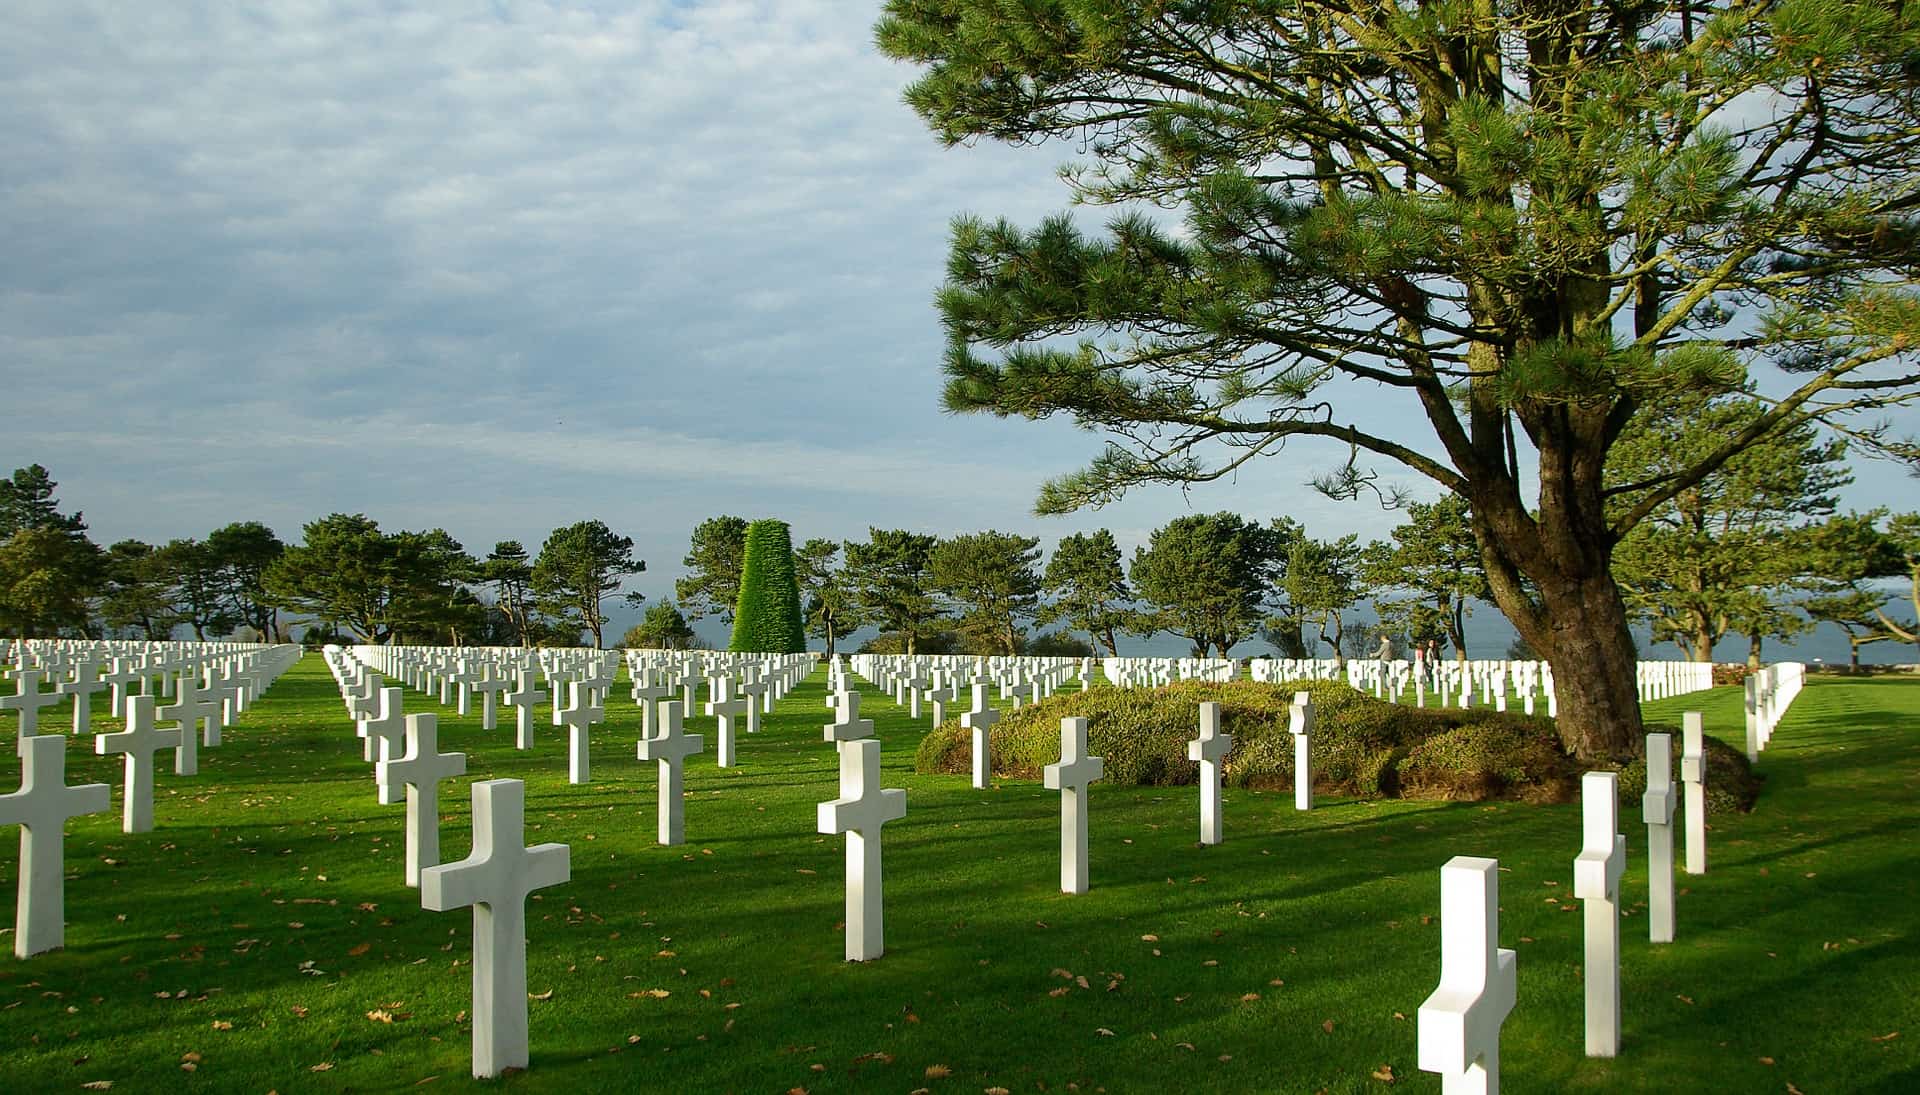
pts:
[1516, 221]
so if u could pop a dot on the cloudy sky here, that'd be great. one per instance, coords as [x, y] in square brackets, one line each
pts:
[501, 266]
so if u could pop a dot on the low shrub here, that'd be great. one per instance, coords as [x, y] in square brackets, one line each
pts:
[1731, 782]
[1362, 746]
[1726, 673]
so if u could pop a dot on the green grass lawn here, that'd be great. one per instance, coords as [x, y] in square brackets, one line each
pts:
[252, 934]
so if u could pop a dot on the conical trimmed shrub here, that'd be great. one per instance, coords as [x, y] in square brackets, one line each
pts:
[767, 620]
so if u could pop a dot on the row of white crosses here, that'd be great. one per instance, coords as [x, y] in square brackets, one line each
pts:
[499, 874]
[1770, 691]
[1457, 683]
[45, 803]
[230, 674]
[1459, 1024]
[740, 684]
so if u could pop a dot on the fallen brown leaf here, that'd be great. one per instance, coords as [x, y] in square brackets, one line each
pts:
[938, 1072]
[1327, 1026]
[1384, 1074]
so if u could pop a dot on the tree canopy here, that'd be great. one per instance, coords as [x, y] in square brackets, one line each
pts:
[890, 577]
[578, 568]
[714, 560]
[1208, 577]
[993, 579]
[1088, 588]
[663, 627]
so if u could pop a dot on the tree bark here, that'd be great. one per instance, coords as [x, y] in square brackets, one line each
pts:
[1702, 636]
[1753, 650]
[1592, 654]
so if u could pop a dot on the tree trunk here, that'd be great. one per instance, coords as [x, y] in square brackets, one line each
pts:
[1702, 640]
[1592, 654]
[1753, 650]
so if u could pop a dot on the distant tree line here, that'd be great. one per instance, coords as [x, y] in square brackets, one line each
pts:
[345, 579]
[1757, 550]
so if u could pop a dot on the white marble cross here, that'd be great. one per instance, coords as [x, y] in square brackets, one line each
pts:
[138, 743]
[386, 734]
[860, 811]
[648, 690]
[1460, 1023]
[1070, 777]
[522, 699]
[41, 808]
[495, 880]
[1656, 809]
[28, 701]
[671, 748]
[490, 687]
[1210, 748]
[1596, 882]
[916, 683]
[757, 691]
[579, 716]
[847, 724]
[118, 677]
[1300, 723]
[980, 722]
[725, 709]
[1693, 773]
[420, 772]
[941, 696]
[189, 709]
[85, 682]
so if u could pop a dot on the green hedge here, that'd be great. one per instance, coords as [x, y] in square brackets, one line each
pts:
[1362, 746]
[766, 619]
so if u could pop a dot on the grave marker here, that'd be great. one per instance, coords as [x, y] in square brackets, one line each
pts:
[671, 748]
[138, 743]
[189, 709]
[495, 880]
[1300, 723]
[85, 682]
[1693, 773]
[980, 721]
[1460, 1023]
[420, 772]
[386, 734]
[1656, 808]
[861, 810]
[579, 716]
[522, 699]
[41, 808]
[1596, 882]
[1210, 748]
[1070, 777]
[847, 724]
[28, 700]
[725, 708]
